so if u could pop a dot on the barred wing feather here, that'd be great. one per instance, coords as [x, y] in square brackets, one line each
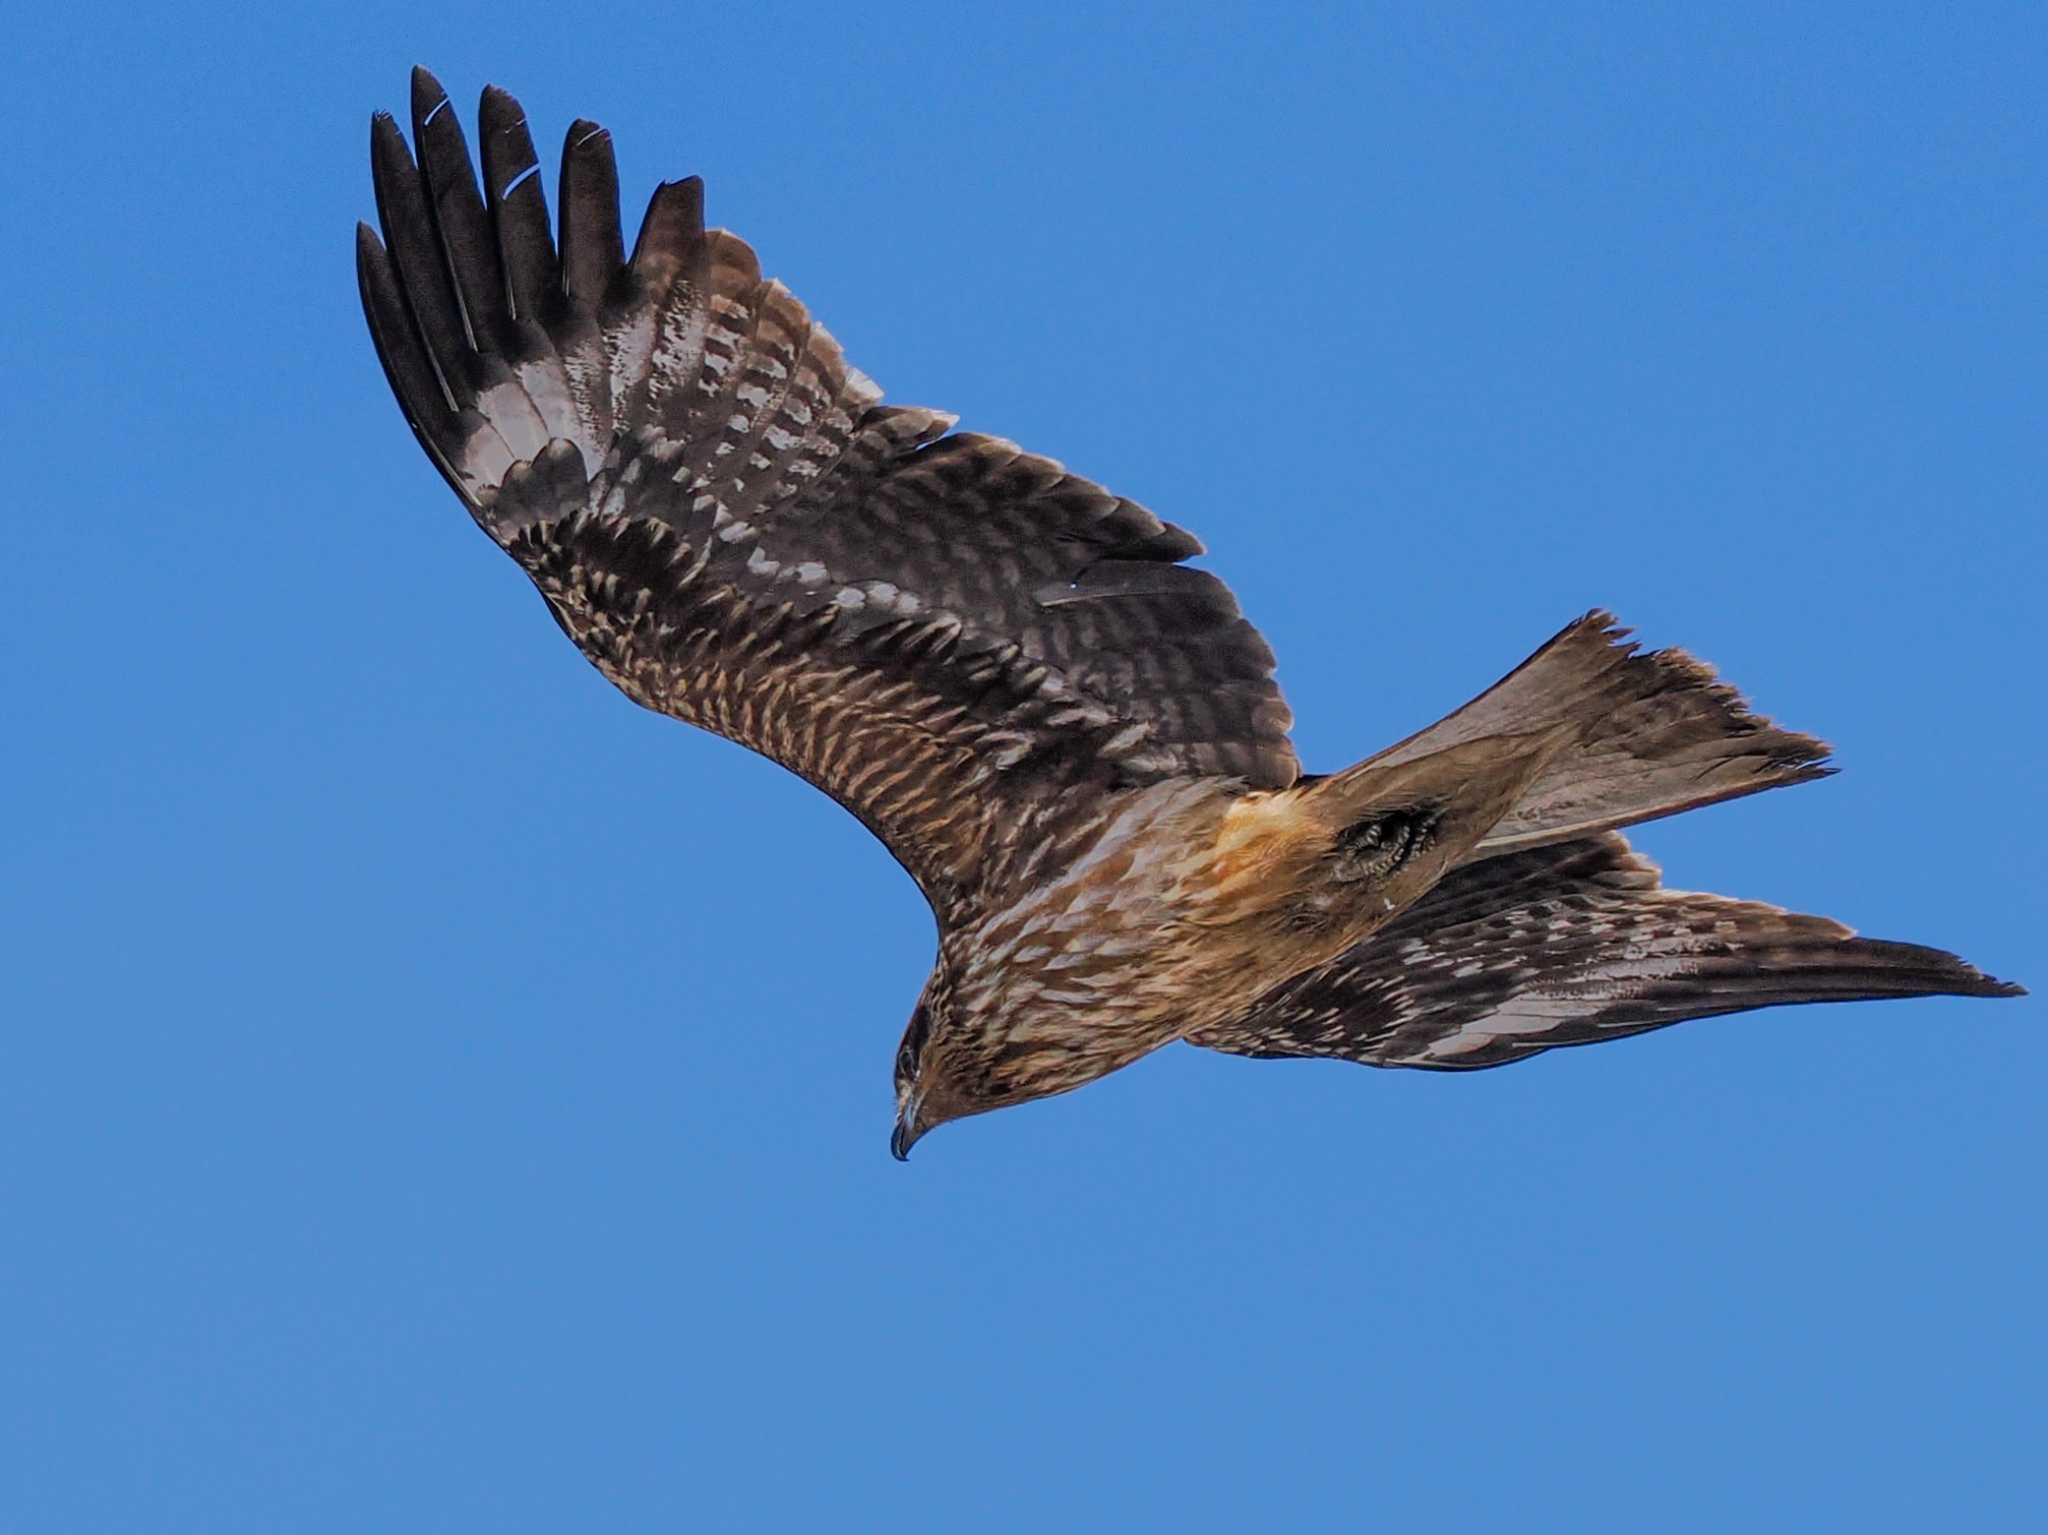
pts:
[946, 633]
[1570, 944]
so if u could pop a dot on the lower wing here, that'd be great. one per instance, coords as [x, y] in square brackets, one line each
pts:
[1570, 944]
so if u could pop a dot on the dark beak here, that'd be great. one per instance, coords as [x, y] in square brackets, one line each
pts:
[907, 1130]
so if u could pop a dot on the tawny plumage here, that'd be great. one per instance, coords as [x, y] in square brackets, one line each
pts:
[1071, 739]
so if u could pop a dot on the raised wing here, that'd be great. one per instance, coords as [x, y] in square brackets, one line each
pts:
[1571, 944]
[942, 631]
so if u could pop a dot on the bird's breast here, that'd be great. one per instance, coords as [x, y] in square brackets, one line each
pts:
[1159, 924]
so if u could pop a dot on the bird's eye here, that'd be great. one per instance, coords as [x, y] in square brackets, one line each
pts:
[913, 1042]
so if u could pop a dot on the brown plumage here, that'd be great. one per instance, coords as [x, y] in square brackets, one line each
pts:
[1072, 740]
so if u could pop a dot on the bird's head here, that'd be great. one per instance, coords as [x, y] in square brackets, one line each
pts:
[918, 1069]
[970, 1049]
[944, 1069]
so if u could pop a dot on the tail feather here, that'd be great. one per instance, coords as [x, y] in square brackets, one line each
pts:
[1571, 944]
[1658, 734]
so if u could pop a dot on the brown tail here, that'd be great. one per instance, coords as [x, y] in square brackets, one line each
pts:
[1658, 734]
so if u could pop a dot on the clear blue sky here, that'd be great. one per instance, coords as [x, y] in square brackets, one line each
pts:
[438, 1095]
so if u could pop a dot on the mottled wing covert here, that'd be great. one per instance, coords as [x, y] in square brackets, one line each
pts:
[1570, 944]
[941, 631]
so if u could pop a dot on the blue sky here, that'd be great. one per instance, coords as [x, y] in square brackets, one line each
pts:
[438, 1095]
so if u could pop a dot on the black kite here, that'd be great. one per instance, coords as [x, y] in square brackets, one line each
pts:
[1071, 739]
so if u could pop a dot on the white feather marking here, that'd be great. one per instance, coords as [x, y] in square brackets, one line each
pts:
[1080, 714]
[860, 388]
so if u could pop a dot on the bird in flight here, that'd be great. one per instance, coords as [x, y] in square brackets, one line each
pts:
[1071, 739]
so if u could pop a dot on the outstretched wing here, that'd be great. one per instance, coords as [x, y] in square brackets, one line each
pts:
[1570, 944]
[943, 632]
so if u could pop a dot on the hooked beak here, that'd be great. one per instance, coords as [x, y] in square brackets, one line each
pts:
[907, 1130]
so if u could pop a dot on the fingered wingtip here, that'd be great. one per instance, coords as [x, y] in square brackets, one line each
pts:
[390, 155]
[428, 95]
[500, 107]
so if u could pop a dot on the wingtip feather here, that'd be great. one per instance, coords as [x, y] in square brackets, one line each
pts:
[428, 96]
[592, 247]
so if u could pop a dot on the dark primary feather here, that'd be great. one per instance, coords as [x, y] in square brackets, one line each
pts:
[722, 514]
[1569, 944]
[517, 199]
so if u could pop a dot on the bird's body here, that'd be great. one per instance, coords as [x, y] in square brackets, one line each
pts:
[1071, 739]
